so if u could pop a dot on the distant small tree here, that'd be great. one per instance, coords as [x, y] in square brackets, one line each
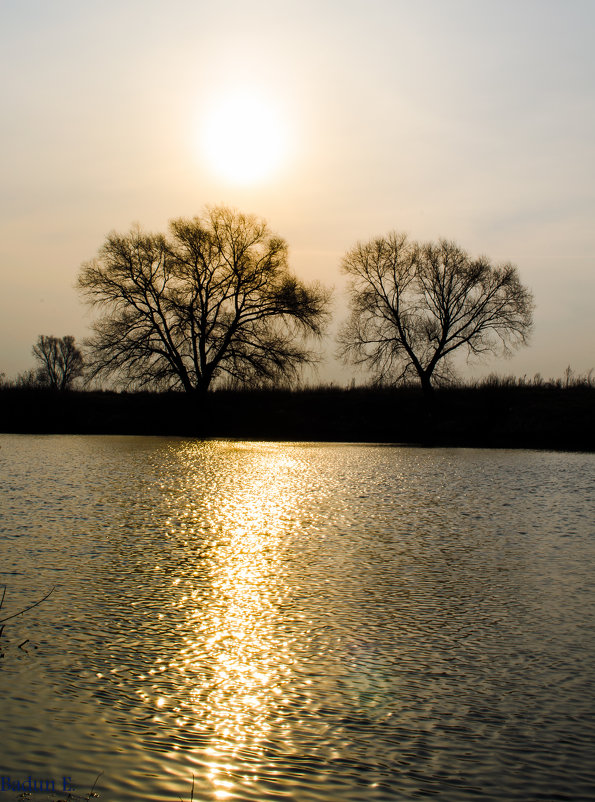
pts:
[413, 305]
[61, 362]
[29, 380]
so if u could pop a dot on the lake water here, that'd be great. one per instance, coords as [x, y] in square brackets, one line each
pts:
[294, 621]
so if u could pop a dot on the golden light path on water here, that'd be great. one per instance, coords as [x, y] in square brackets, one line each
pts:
[240, 661]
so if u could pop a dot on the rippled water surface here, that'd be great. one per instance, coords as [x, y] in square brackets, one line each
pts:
[297, 621]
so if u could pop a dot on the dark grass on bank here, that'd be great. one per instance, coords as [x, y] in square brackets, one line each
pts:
[497, 414]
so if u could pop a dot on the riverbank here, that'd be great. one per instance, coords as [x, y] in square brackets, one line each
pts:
[518, 416]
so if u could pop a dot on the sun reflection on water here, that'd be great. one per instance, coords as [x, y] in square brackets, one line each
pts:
[237, 656]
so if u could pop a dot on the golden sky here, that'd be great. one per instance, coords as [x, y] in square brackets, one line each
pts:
[457, 118]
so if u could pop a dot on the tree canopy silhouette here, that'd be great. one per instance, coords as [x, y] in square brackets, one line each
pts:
[412, 305]
[61, 362]
[213, 298]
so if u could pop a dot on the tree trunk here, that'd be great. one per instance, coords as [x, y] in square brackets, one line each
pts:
[429, 401]
[426, 386]
[202, 385]
[425, 378]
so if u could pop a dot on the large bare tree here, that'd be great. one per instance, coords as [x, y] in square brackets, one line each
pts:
[214, 298]
[61, 362]
[413, 305]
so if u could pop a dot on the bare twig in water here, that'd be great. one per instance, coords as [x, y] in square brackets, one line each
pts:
[192, 793]
[25, 609]
[92, 791]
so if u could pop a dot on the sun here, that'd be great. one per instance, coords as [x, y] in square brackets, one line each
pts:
[244, 139]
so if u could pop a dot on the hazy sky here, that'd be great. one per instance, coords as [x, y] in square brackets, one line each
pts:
[469, 119]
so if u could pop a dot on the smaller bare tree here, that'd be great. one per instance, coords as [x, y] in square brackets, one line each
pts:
[413, 305]
[61, 362]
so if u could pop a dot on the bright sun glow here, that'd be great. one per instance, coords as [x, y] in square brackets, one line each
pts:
[244, 138]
